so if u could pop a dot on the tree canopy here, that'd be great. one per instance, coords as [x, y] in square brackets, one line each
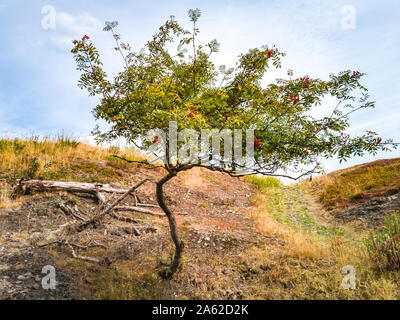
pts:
[173, 79]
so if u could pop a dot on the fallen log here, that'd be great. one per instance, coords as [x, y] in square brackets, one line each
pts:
[92, 188]
[97, 190]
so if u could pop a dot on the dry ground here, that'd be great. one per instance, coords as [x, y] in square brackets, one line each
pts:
[244, 238]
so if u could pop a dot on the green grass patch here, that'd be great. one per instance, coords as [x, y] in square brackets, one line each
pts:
[263, 183]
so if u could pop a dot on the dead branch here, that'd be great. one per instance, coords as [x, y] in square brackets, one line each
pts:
[146, 205]
[94, 220]
[121, 218]
[64, 242]
[95, 242]
[82, 257]
[71, 246]
[71, 211]
[137, 209]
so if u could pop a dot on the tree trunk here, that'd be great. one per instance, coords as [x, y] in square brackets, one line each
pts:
[172, 226]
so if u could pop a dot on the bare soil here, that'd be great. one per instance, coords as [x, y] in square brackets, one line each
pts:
[211, 215]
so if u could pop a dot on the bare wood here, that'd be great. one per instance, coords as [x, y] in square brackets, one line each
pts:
[101, 197]
[121, 218]
[93, 188]
[107, 210]
[72, 212]
[66, 243]
[147, 205]
[136, 232]
[95, 242]
[138, 209]
[81, 257]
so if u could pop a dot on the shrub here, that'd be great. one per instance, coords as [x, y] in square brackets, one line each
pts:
[383, 245]
[31, 172]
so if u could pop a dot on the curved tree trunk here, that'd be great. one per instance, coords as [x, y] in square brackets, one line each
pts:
[172, 225]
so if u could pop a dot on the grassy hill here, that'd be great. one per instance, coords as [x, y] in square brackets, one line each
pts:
[343, 188]
[247, 238]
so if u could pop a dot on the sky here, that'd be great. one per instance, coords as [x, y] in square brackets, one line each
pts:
[38, 79]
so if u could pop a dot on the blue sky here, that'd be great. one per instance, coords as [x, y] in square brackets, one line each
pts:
[38, 91]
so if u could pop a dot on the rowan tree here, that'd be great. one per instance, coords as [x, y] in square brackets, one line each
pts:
[174, 79]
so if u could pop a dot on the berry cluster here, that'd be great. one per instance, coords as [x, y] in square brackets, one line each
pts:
[306, 81]
[294, 99]
[191, 114]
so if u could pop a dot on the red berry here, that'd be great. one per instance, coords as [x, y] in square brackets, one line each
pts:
[257, 143]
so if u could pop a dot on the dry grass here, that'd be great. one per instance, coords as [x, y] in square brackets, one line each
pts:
[5, 196]
[51, 158]
[307, 265]
[342, 188]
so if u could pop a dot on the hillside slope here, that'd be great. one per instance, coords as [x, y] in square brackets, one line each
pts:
[365, 192]
[248, 238]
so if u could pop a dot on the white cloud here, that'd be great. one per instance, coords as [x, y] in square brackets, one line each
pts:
[78, 24]
[71, 27]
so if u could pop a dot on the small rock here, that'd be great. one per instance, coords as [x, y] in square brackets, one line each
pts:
[207, 239]
[21, 277]
[36, 286]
